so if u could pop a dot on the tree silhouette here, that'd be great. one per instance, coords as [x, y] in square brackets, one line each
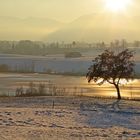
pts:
[111, 67]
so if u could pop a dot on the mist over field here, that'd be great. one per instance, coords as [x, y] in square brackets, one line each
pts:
[89, 28]
[88, 21]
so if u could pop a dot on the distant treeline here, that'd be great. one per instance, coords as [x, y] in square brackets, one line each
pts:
[27, 47]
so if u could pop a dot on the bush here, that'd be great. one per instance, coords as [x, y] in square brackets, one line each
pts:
[49, 89]
[4, 68]
[41, 89]
[73, 55]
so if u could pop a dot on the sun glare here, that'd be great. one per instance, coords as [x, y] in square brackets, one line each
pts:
[117, 5]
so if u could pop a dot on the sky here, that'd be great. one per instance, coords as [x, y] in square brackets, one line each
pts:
[62, 10]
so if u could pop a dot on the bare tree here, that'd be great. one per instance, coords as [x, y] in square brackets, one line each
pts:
[110, 67]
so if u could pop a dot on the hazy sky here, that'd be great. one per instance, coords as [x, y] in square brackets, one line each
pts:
[66, 11]
[63, 10]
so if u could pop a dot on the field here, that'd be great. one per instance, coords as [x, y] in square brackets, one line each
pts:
[52, 63]
[66, 118]
[70, 70]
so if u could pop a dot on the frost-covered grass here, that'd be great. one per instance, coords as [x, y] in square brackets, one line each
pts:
[66, 118]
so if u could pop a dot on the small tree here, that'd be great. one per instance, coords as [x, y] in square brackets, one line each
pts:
[110, 67]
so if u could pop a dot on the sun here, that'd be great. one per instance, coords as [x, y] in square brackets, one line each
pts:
[117, 5]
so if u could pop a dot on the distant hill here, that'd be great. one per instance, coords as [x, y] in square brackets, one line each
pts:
[12, 28]
[98, 27]
[92, 28]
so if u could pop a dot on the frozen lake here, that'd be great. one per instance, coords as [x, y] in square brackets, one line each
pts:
[78, 85]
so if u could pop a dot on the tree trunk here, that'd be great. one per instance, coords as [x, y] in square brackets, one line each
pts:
[118, 91]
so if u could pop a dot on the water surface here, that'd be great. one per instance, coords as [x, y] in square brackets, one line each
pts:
[74, 85]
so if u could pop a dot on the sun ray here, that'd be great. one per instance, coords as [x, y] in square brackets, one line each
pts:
[117, 5]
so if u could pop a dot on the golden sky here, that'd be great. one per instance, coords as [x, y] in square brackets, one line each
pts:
[63, 10]
[25, 19]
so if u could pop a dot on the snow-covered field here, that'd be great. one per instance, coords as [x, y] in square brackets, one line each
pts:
[55, 63]
[72, 118]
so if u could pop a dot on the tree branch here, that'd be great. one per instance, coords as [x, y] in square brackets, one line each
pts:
[110, 82]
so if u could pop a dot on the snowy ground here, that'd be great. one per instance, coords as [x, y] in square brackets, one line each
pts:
[76, 118]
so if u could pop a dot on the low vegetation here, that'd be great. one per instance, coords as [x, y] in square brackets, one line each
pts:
[4, 68]
[73, 55]
[48, 89]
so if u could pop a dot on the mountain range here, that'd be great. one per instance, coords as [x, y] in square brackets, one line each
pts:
[90, 28]
[13, 28]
